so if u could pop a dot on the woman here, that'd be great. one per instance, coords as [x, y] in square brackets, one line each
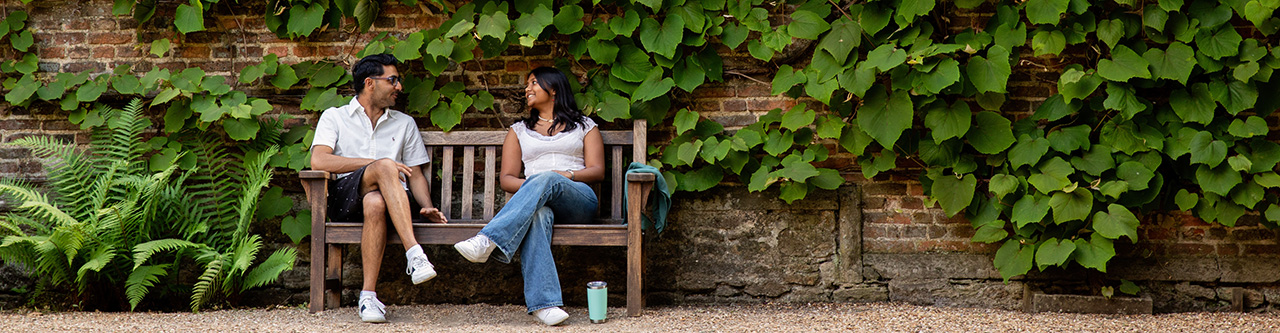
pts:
[559, 150]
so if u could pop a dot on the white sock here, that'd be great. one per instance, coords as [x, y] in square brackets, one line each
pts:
[414, 251]
[366, 293]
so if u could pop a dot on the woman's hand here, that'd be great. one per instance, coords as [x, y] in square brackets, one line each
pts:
[566, 174]
[433, 215]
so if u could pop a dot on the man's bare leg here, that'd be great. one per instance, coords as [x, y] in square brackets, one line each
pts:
[384, 176]
[373, 239]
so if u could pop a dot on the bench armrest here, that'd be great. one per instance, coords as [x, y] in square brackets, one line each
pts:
[311, 174]
[640, 177]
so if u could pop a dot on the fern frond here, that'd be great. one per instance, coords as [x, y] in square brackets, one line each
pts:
[207, 283]
[47, 211]
[258, 176]
[144, 251]
[244, 254]
[140, 282]
[100, 257]
[269, 270]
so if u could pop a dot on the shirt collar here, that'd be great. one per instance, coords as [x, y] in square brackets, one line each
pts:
[358, 110]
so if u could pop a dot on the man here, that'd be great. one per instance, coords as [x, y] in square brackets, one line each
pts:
[373, 150]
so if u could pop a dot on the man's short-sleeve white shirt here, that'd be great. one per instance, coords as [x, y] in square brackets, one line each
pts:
[347, 130]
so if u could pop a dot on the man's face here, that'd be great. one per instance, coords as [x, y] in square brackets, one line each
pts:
[381, 89]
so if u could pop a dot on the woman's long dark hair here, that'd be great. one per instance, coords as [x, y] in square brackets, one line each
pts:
[566, 111]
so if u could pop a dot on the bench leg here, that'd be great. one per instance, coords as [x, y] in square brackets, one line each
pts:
[333, 277]
[635, 269]
[317, 278]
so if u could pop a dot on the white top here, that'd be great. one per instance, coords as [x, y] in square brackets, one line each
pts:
[347, 130]
[542, 153]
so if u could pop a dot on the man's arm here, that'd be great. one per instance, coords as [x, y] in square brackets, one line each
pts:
[422, 193]
[322, 158]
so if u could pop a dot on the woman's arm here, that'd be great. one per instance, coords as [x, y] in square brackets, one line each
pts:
[509, 176]
[592, 157]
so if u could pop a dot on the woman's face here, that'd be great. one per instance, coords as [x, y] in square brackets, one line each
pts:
[535, 96]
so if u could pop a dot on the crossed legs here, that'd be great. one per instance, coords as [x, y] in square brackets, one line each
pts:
[383, 196]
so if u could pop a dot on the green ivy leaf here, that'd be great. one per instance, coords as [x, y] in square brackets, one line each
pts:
[1117, 221]
[662, 39]
[614, 106]
[1029, 210]
[702, 179]
[1027, 151]
[830, 127]
[1053, 252]
[1235, 96]
[1194, 106]
[1075, 84]
[1048, 42]
[365, 12]
[854, 140]
[1094, 253]
[798, 117]
[1045, 11]
[241, 129]
[885, 117]
[1217, 180]
[827, 179]
[1068, 139]
[1003, 184]
[845, 36]
[160, 47]
[786, 78]
[886, 57]
[1220, 43]
[654, 85]
[627, 23]
[273, 203]
[602, 51]
[1186, 200]
[532, 24]
[953, 194]
[688, 151]
[569, 19]
[1247, 195]
[760, 180]
[1136, 174]
[1114, 189]
[1205, 150]
[23, 90]
[328, 75]
[685, 120]
[633, 64]
[190, 18]
[990, 74]
[305, 20]
[1121, 97]
[990, 232]
[733, 35]
[88, 92]
[297, 227]
[437, 48]
[948, 122]
[808, 25]
[285, 77]
[991, 133]
[1267, 179]
[692, 13]
[798, 170]
[1123, 65]
[944, 75]
[779, 142]
[1110, 31]
[1250, 127]
[1013, 259]
[1052, 176]
[1071, 206]
[493, 25]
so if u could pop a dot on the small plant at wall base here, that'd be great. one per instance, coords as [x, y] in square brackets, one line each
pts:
[112, 224]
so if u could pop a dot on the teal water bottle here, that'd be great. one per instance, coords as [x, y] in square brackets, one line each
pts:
[597, 301]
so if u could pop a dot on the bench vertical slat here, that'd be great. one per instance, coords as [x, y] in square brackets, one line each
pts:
[468, 179]
[490, 155]
[618, 171]
[426, 169]
[446, 182]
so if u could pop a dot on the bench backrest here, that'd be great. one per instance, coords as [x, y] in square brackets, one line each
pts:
[443, 147]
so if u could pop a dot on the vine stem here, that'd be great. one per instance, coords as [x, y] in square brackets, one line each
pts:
[746, 76]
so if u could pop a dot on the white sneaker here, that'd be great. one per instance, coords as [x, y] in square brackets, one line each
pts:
[371, 310]
[551, 316]
[476, 249]
[420, 269]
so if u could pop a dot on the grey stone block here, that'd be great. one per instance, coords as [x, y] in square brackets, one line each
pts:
[861, 293]
[1166, 269]
[931, 266]
[946, 292]
[1089, 304]
[1250, 269]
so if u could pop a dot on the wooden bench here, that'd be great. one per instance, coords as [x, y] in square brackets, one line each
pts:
[327, 237]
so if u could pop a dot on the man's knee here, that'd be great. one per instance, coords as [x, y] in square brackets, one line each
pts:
[373, 203]
[381, 166]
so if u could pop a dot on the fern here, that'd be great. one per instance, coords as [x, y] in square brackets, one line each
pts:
[269, 270]
[207, 282]
[244, 254]
[144, 251]
[141, 280]
[99, 259]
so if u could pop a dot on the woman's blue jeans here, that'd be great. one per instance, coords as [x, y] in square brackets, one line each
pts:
[524, 226]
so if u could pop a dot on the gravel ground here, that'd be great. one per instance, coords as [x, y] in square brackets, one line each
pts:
[701, 318]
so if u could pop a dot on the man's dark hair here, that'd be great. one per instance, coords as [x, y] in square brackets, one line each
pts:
[370, 65]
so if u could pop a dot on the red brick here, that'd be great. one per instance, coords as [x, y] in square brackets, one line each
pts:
[197, 52]
[331, 51]
[304, 51]
[517, 66]
[104, 52]
[915, 231]
[881, 231]
[915, 189]
[67, 38]
[1228, 249]
[984, 248]
[79, 53]
[1253, 234]
[1158, 233]
[131, 52]
[871, 203]
[1192, 249]
[1262, 249]
[937, 232]
[733, 105]
[541, 63]
[77, 67]
[14, 153]
[19, 124]
[1192, 234]
[54, 52]
[754, 90]
[706, 106]
[961, 231]
[911, 203]
[714, 91]
[76, 24]
[884, 189]
[942, 245]
[59, 125]
[110, 38]
[279, 51]
[888, 218]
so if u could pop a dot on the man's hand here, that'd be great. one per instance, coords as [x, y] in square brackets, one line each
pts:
[434, 215]
[405, 172]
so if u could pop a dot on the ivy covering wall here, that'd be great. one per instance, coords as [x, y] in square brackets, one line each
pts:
[1159, 105]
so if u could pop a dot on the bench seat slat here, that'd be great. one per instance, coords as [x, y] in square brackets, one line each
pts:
[563, 234]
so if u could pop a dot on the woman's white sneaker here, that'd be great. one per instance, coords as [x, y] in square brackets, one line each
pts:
[551, 316]
[476, 249]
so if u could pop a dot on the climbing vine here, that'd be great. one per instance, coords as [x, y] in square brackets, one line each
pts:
[1159, 105]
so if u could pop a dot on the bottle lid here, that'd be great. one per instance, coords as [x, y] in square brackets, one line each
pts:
[596, 284]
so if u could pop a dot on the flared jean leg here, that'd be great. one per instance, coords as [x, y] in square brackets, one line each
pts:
[541, 280]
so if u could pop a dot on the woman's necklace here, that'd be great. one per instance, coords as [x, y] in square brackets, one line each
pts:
[544, 119]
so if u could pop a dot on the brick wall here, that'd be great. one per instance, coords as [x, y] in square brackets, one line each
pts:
[75, 36]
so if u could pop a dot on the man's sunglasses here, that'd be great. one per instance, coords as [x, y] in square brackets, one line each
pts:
[391, 79]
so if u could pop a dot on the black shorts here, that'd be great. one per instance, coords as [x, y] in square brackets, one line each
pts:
[346, 203]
